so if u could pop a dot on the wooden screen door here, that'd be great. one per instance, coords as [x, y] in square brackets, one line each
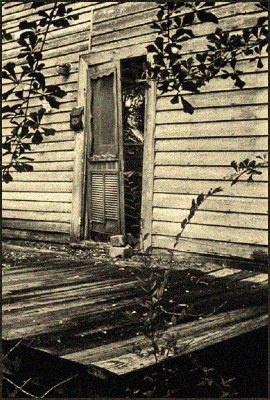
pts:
[104, 214]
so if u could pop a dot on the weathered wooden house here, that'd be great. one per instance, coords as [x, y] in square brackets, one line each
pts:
[118, 169]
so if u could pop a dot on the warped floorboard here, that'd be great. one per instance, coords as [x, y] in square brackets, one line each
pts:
[76, 310]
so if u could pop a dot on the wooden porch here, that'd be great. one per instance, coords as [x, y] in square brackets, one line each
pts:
[75, 309]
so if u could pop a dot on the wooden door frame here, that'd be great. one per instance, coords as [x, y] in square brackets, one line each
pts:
[82, 139]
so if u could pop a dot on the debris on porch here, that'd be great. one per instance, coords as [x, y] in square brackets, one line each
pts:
[72, 304]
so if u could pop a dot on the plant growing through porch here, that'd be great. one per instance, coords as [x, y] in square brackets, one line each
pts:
[28, 86]
[179, 75]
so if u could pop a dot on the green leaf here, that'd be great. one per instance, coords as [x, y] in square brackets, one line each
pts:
[188, 19]
[40, 78]
[239, 83]
[43, 22]
[61, 11]
[6, 35]
[160, 14]
[191, 87]
[201, 57]
[36, 4]
[159, 42]
[200, 199]
[256, 172]
[184, 223]
[48, 131]
[151, 49]
[7, 177]
[61, 23]
[10, 68]
[27, 25]
[19, 94]
[7, 94]
[54, 90]
[146, 236]
[260, 63]
[262, 20]
[30, 60]
[235, 180]
[188, 108]
[37, 138]
[26, 158]
[74, 17]
[175, 99]
[7, 146]
[217, 190]
[53, 102]
[234, 165]
[207, 17]
[155, 25]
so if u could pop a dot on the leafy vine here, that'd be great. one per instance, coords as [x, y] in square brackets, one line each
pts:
[28, 82]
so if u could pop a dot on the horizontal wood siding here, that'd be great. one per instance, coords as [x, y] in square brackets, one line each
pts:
[38, 203]
[192, 153]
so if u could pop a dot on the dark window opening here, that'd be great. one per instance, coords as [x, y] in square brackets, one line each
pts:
[133, 79]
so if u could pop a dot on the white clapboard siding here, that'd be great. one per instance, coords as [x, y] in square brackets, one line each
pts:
[203, 158]
[257, 143]
[220, 203]
[39, 176]
[191, 247]
[61, 227]
[35, 235]
[38, 197]
[201, 173]
[219, 233]
[53, 166]
[192, 153]
[225, 119]
[216, 114]
[32, 186]
[36, 215]
[48, 156]
[51, 147]
[237, 97]
[203, 217]
[206, 130]
[57, 207]
[241, 189]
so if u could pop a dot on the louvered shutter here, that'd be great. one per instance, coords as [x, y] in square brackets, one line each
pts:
[104, 202]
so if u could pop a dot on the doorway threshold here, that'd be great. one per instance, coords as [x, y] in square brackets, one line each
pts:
[89, 244]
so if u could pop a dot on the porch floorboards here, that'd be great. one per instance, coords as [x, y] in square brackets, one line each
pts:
[76, 310]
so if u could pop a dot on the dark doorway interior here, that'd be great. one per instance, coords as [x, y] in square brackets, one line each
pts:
[133, 102]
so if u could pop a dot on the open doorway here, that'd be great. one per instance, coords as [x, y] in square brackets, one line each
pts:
[115, 146]
[133, 84]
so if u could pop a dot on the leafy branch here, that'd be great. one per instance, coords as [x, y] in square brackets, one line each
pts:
[247, 167]
[179, 74]
[28, 82]
[194, 207]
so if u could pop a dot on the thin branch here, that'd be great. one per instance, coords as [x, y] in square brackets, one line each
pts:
[193, 315]
[13, 348]
[57, 385]
[25, 383]
[20, 388]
